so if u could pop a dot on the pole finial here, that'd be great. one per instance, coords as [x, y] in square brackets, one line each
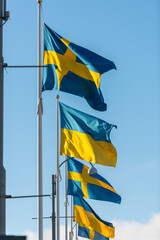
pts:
[57, 96]
[39, 1]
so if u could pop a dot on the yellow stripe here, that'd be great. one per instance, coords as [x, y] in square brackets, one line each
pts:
[82, 177]
[82, 146]
[84, 183]
[88, 220]
[91, 234]
[66, 63]
[65, 41]
[89, 179]
[77, 177]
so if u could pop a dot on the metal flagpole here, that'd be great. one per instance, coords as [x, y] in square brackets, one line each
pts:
[53, 207]
[2, 169]
[57, 175]
[71, 218]
[39, 133]
[76, 231]
[66, 200]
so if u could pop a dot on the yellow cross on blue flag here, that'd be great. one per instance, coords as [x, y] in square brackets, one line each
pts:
[86, 217]
[93, 186]
[73, 69]
[90, 234]
[86, 137]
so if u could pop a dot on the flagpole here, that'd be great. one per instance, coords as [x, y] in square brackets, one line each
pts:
[76, 232]
[71, 218]
[53, 207]
[2, 169]
[57, 175]
[66, 200]
[39, 133]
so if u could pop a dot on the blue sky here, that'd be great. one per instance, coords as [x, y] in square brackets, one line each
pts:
[126, 32]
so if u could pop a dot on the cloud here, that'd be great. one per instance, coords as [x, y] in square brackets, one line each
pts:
[124, 230]
[47, 234]
[30, 235]
[139, 231]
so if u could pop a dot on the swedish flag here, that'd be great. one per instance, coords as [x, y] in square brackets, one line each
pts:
[86, 137]
[86, 217]
[73, 69]
[89, 233]
[93, 186]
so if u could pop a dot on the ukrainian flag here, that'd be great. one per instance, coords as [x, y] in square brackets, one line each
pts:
[86, 137]
[93, 186]
[86, 217]
[73, 69]
[90, 234]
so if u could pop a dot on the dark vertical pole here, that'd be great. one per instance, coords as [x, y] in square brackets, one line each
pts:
[53, 207]
[2, 170]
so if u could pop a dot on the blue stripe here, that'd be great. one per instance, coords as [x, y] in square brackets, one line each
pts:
[83, 232]
[74, 166]
[52, 41]
[74, 188]
[80, 87]
[100, 193]
[78, 60]
[99, 236]
[84, 88]
[50, 80]
[79, 121]
[92, 60]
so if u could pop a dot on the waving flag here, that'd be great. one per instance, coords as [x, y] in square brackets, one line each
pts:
[94, 186]
[86, 137]
[90, 234]
[86, 217]
[73, 69]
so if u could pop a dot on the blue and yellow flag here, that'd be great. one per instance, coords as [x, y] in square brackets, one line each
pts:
[93, 186]
[73, 69]
[90, 234]
[86, 137]
[86, 217]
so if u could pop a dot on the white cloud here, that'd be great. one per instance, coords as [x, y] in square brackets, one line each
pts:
[138, 231]
[47, 234]
[124, 230]
[30, 235]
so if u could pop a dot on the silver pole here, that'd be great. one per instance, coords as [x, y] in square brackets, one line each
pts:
[2, 169]
[66, 200]
[39, 134]
[57, 182]
[53, 207]
[71, 218]
[76, 230]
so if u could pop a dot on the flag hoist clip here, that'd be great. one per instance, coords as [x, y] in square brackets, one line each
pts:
[40, 106]
[92, 170]
[58, 176]
[66, 203]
